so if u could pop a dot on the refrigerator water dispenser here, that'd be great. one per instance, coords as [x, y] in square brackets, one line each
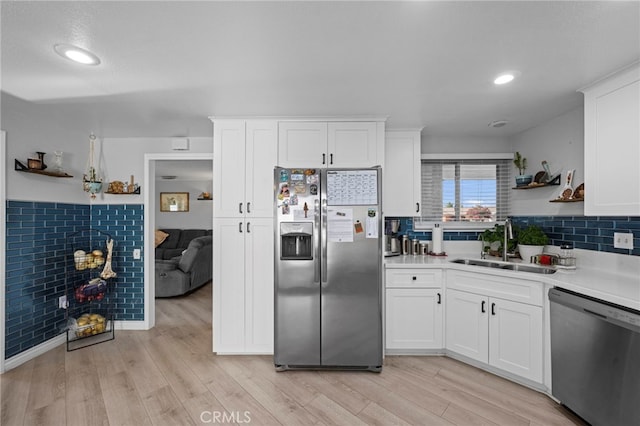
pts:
[296, 241]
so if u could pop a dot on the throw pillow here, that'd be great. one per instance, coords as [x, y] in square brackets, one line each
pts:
[160, 237]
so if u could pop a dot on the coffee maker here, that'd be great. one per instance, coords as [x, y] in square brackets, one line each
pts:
[391, 240]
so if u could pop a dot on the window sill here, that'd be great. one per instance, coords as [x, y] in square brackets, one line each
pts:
[453, 226]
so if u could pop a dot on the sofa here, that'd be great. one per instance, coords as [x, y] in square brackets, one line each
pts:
[172, 242]
[182, 274]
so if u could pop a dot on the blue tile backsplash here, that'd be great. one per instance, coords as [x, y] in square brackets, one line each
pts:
[35, 265]
[35, 257]
[584, 232]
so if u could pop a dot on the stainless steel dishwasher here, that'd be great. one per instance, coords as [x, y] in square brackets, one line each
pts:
[595, 358]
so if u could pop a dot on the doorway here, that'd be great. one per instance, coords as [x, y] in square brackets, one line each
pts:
[153, 163]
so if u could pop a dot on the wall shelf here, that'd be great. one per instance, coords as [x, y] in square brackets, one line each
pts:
[136, 192]
[571, 200]
[20, 167]
[554, 182]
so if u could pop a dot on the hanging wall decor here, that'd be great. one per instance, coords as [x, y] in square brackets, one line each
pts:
[92, 181]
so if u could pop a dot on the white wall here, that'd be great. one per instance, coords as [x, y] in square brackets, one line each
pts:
[123, 157]
[560, 141]
[34, 127]
[200, 214]
[449, 144]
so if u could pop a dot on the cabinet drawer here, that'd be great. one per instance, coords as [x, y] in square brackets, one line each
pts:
[413, 278]
[518, 290]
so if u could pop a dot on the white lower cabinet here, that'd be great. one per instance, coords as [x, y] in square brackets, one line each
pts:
[413, 309]
[414, 318]
[498, 332]
[243, 285]
[467, 332]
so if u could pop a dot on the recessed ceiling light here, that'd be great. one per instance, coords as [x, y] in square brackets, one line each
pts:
[498, 123]
[76, 54]
[504, 78]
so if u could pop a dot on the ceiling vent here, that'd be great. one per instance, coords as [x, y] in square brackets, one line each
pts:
[180, 144]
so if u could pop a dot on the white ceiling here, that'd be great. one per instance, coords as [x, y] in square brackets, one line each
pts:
[166, 66]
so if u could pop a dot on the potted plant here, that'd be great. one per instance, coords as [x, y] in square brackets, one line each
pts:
[531, 241]
[521, 164]
[493, 239]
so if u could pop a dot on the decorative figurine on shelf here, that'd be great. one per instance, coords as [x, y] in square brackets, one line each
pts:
[92, 181]
[57, 162]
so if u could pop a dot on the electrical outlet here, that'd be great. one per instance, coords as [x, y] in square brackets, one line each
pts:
[136, 253]
[623, 240]
[62, 302]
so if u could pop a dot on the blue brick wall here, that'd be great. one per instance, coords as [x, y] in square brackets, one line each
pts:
[35, 269]
[125, 224]
[585, 232]
[36, 258]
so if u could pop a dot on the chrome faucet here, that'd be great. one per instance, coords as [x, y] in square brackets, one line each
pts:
[508, 235]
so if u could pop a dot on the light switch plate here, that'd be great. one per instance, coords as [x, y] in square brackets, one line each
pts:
[623, 240]
[136, 253]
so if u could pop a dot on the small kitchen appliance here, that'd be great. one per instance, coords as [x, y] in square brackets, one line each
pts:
[391, 240]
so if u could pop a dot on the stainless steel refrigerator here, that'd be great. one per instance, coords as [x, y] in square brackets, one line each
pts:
[328, 269]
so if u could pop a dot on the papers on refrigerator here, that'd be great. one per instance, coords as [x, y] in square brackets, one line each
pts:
[340, 225]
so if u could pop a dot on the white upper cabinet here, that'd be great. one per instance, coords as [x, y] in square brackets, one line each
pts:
[612, 145]
[302, 144]
[330, 144]
[353, 144]
[402, 189]
[244, 156]
[228, 160]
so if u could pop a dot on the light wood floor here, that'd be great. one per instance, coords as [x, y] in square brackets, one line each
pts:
[168, 376]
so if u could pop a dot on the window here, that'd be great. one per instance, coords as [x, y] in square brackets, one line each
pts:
[468, 193]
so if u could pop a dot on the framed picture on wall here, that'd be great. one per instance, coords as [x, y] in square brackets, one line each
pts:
[174, 201]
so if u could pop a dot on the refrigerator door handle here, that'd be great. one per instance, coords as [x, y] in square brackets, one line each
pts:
[323, 239]
[316, 242]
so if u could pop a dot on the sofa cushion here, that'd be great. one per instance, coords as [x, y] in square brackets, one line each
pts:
[190, 254]
[187, 235]
[171, 241]
[160, 236]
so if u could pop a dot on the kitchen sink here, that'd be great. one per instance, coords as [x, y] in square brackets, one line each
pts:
[509, 266]
[529, 268]
[477, 262]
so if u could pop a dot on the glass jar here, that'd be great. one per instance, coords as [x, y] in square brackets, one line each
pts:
[567, 257]
[415, 246]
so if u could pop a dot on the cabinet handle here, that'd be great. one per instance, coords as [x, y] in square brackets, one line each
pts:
[239, 226]
[331, 158]
[482, 307]
[248, 226]
[249, 207]
[493, 309]
[439, 299]
[417, 207]
[324, 158]
[240, 208]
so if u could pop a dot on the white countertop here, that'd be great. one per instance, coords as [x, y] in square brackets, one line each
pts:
[611, 277]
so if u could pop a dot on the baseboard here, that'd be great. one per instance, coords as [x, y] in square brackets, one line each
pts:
[34, 352]
[61, 339]
[130, 325]
[414, 352]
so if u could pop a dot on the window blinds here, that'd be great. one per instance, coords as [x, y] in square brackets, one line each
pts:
[465, 190]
